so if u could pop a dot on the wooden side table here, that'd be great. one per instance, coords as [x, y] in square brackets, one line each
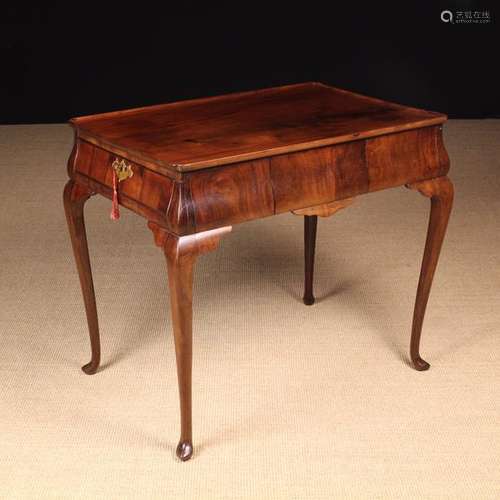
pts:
[193, 169]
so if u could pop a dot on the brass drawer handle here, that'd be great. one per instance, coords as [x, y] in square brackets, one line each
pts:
[123, 170]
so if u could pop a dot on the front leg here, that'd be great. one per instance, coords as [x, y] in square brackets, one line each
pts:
[181, 253]
[440, 192]
[75, 197]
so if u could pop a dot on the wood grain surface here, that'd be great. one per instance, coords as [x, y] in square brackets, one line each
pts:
[213, 197]
[201, 133]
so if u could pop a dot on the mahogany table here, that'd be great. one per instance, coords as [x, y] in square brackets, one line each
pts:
[193, 169]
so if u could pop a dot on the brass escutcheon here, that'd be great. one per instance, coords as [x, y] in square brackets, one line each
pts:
[123, 170]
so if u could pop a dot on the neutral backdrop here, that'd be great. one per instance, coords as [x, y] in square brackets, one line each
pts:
[59, 61]
[290, 402]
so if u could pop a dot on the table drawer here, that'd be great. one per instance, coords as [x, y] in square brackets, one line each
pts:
[321, 175]
[308, 178]
[144, 186]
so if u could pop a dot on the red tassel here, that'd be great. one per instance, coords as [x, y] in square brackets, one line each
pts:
[115, 209]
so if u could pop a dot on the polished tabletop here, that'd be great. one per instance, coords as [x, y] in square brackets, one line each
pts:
[201, 133]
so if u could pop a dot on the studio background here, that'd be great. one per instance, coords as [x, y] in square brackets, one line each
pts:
[290, 402]
[63, 62]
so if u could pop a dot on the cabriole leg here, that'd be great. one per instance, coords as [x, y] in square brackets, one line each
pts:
[440, 192]
[181, 253]
[75, 197]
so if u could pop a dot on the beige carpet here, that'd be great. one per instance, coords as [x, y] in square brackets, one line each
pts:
[290, 402]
